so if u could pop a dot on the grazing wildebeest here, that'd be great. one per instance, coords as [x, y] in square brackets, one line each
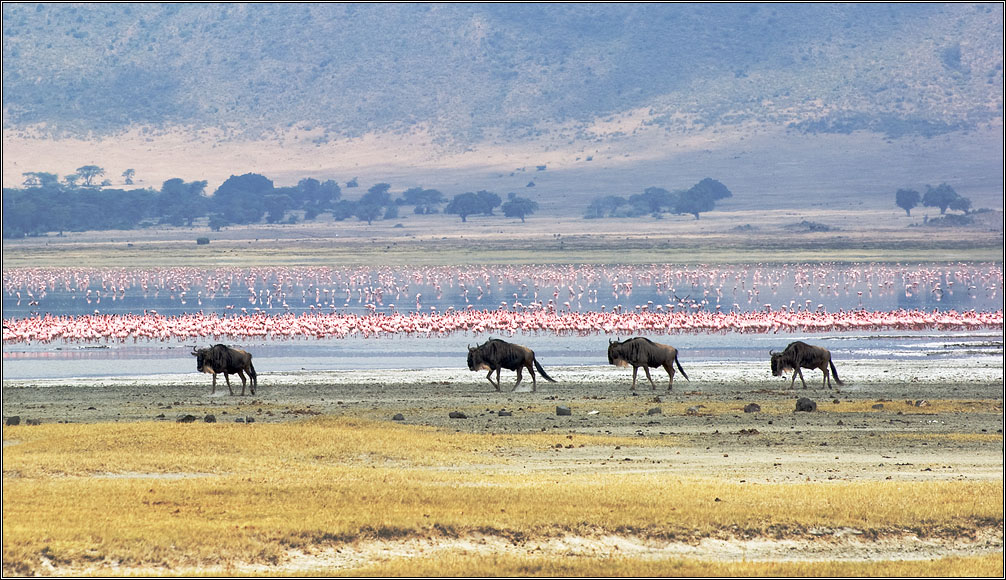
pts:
[498, 354]
[220, 358]
[800, 354]
[643, 352]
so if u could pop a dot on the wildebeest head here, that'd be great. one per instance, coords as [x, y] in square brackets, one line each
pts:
[475, 361]
[615, 355]
[201, 361]
[778, 364]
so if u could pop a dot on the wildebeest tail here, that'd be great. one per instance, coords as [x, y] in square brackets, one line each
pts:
[544, 375]
[678, 362]
[834, 373]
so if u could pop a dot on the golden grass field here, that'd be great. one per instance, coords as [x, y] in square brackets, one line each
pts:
[173, 498]
[325, 482]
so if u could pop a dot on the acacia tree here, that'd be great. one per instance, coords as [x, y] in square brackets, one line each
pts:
[489, 201]
[702, 197]
[464, 205]
[426, 201]
[940, 196]
[518, 207]
[907, 199]
[88, 173]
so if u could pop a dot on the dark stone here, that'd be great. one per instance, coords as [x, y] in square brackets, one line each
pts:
[563, 411]
[805, 404]
[655, 411]
[210, 419]
[187, 419]
[457, 415]
[505, 413]
[752, 408]
[12, 421]
[398, 417]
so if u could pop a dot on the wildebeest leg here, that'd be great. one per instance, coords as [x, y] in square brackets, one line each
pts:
[534, 381]
[634, 371]
[490, 377]
[520, 376]
[214, 384]
[653, 385]
[669, 367]
[242, 375]
[227, 378]
[826, 379]
[799, 372]
[793, 380]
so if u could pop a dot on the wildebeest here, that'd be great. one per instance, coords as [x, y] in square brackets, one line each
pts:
[220, 358]
[643, 352]
[498, 354]
[800, 354]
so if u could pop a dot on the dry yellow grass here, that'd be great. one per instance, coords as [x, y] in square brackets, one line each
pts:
[616, 565]
[175, 496]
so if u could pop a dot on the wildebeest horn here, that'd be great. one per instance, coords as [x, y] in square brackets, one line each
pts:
[771, 352]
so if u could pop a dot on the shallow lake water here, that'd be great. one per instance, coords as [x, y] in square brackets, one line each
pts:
[585, 288]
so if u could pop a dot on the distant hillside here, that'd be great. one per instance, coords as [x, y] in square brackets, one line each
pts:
[470, 73]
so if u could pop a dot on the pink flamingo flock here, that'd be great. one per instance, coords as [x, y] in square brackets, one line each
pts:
[537, 299]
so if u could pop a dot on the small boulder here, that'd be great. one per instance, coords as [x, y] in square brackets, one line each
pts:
[505, 413]
[655, 411]
[398, 417]
[563, 411]
[12, 421]
[805, 404]
[457, 415]
[187, 419]
[210, 419]
[752, 408]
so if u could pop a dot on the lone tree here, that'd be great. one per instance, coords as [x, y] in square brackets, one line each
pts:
[88, 173]
[465, 204]
[941, 196]
[907, 199]
[702, 197]
[518, 207]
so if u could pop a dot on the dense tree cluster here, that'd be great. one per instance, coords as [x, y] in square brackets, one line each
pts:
[78, 203]
[942, 196]
[655, 201]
